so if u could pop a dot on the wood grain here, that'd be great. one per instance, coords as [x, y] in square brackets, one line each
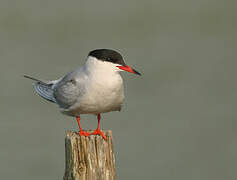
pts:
[89, 158]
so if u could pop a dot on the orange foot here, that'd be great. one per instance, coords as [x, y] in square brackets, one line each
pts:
[99, 132]
[83, 133]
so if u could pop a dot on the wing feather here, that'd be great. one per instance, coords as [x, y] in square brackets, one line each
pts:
[44, 89]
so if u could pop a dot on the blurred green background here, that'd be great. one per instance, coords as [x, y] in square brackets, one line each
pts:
[178, 120]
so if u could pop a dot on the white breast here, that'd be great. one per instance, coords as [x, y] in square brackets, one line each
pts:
[104, 90]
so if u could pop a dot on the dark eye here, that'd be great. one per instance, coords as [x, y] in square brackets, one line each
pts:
[108, 58]
[73, 81]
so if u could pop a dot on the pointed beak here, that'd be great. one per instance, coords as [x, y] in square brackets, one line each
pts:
[129, 69]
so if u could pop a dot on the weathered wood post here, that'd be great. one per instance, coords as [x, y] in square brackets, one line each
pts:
[89, 158]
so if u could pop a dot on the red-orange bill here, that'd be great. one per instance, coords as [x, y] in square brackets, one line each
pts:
[129, 69]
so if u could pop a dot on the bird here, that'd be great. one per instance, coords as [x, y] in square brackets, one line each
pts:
[95, 88]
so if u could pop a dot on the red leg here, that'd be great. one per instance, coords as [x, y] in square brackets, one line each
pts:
[81, 132]
[98, 131]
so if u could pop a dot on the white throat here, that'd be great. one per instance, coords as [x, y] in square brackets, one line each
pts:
[98, 67]
[104, 87]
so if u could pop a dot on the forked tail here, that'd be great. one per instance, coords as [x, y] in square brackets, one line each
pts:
[44, 89]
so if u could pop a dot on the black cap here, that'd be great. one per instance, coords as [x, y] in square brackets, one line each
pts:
[108, 55]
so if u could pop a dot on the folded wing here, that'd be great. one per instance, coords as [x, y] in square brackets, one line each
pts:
[44, 89]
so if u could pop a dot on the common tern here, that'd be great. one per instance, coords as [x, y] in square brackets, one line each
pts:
[94, 88]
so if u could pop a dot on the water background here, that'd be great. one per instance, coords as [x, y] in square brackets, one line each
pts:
[179, 118]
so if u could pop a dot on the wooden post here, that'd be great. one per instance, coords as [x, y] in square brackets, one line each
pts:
[89, 158]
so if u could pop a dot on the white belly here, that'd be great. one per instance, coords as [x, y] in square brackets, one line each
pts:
[100, 98]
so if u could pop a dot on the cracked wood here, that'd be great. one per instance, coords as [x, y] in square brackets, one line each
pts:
[89, 158]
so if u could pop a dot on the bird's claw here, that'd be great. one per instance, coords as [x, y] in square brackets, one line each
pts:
[99, 132]
[83, 133]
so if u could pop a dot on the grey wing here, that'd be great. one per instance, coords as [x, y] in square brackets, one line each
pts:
[44, 88]
[67, 90]
[45, 91]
